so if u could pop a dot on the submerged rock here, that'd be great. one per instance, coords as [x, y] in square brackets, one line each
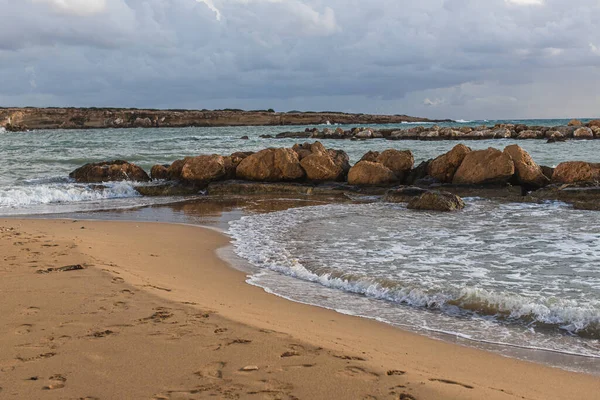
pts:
[403, 194]
[167, 190]
[437, 201]
[117, 170]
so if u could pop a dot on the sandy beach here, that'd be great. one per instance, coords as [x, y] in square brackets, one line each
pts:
[149, 311]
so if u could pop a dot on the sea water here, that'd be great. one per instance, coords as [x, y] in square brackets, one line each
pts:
[517, 275]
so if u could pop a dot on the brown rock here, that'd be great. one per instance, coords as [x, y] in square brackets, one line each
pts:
[370, 156]
[232, 162]
[595, 122]
[204, 169]
[575, 122]
[583, 133]
[159, 172]
[319, 166]
[370, 173]
[399, 162]
[530, 134]
[274, 164]
[174, 170]
[526, 170]
[117, 170]
[437, 201]
[444, 167]
[576, 171]
[485, 166]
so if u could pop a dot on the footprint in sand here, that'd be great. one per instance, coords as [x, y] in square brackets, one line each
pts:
[360, 373]
[24, 329]
[31, 310]
[213, 370]
[449, 382]
[55, 382]
[36, 358]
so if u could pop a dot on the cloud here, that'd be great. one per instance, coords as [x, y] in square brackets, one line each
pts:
[461, 56]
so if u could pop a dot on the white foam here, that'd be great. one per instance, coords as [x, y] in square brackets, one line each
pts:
[51, 193]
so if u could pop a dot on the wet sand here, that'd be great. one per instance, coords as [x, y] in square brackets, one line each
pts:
[154, 313]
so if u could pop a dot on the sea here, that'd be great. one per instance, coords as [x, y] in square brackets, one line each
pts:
[519, 279]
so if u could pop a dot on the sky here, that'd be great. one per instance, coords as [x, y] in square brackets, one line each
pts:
[459, 59]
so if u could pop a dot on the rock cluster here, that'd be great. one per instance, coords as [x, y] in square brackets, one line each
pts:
[575, 130]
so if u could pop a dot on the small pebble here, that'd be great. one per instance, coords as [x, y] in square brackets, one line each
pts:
[249, 368]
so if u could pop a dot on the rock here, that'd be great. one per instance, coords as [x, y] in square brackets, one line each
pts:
[485, 166]
[403, 194]
[370, 156]
[267, 136]
[364, 134]
[418, 174]
[244, 138]
[167, 190]
[399, 162]
[117, 170]
[594, 123]
[232, 162]
[320, 167]
[444, 167]
[583, 133]
[530, 134]
[370, 173]
[596, 131]
[142, 122]
[341, 159]
[547, 171]
[174, 170]
[575, 122]
[159, 172]
[274, 164]
[501, 133]
[249, 368]
[204, 169]
[437, 201]
[224, 188]
[527, 172]
[576, 171]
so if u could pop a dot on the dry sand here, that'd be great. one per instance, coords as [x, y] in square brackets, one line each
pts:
[155, 314]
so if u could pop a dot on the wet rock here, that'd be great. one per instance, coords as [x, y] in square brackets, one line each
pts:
[530, 134]
[106, 171]
[437, 201]
[444, 167]
[417, 175]
[244, 137]
[174, 170]
[370, 173]
[485, 167]
[271, 165]
[293, 135]
[203, 169]
[253, 188]
[527, 172]
[172, 189]
[547, 171]
[232, 162]
[576, 171]
[159, 172]
[403, 194]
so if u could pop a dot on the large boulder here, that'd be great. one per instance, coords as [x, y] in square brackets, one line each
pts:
[437, 201]
[271, 165]
[232, 162]
[159, 172]
[576, 171]
[595, 122]
[583, 133]
[325, 165]
[485, 166]
[174, 170]
[444, 167]
[370, 173]
[370, 156]
[527, 172]
[399, 162]
[204, 169]
[117, 170]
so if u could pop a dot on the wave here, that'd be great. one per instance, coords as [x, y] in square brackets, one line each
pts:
[417, 123]
[257, 241]
[2, 129]
[463, 121]
[53, 192]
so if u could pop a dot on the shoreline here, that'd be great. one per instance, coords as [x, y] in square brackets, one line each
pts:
[213, 284]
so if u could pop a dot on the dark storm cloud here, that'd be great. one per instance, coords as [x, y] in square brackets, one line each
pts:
[431, 57]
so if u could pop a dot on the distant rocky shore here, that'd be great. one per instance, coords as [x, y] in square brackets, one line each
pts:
[22, 119]
[310, 168]
[574, 130]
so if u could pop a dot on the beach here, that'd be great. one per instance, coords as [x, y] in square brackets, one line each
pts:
[149, 310]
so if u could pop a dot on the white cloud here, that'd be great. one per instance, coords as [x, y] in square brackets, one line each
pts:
[526, 2]
[78, 7]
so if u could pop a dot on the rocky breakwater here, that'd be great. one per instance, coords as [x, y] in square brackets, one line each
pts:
[310, 168]
[575, 130]
[22, 119]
